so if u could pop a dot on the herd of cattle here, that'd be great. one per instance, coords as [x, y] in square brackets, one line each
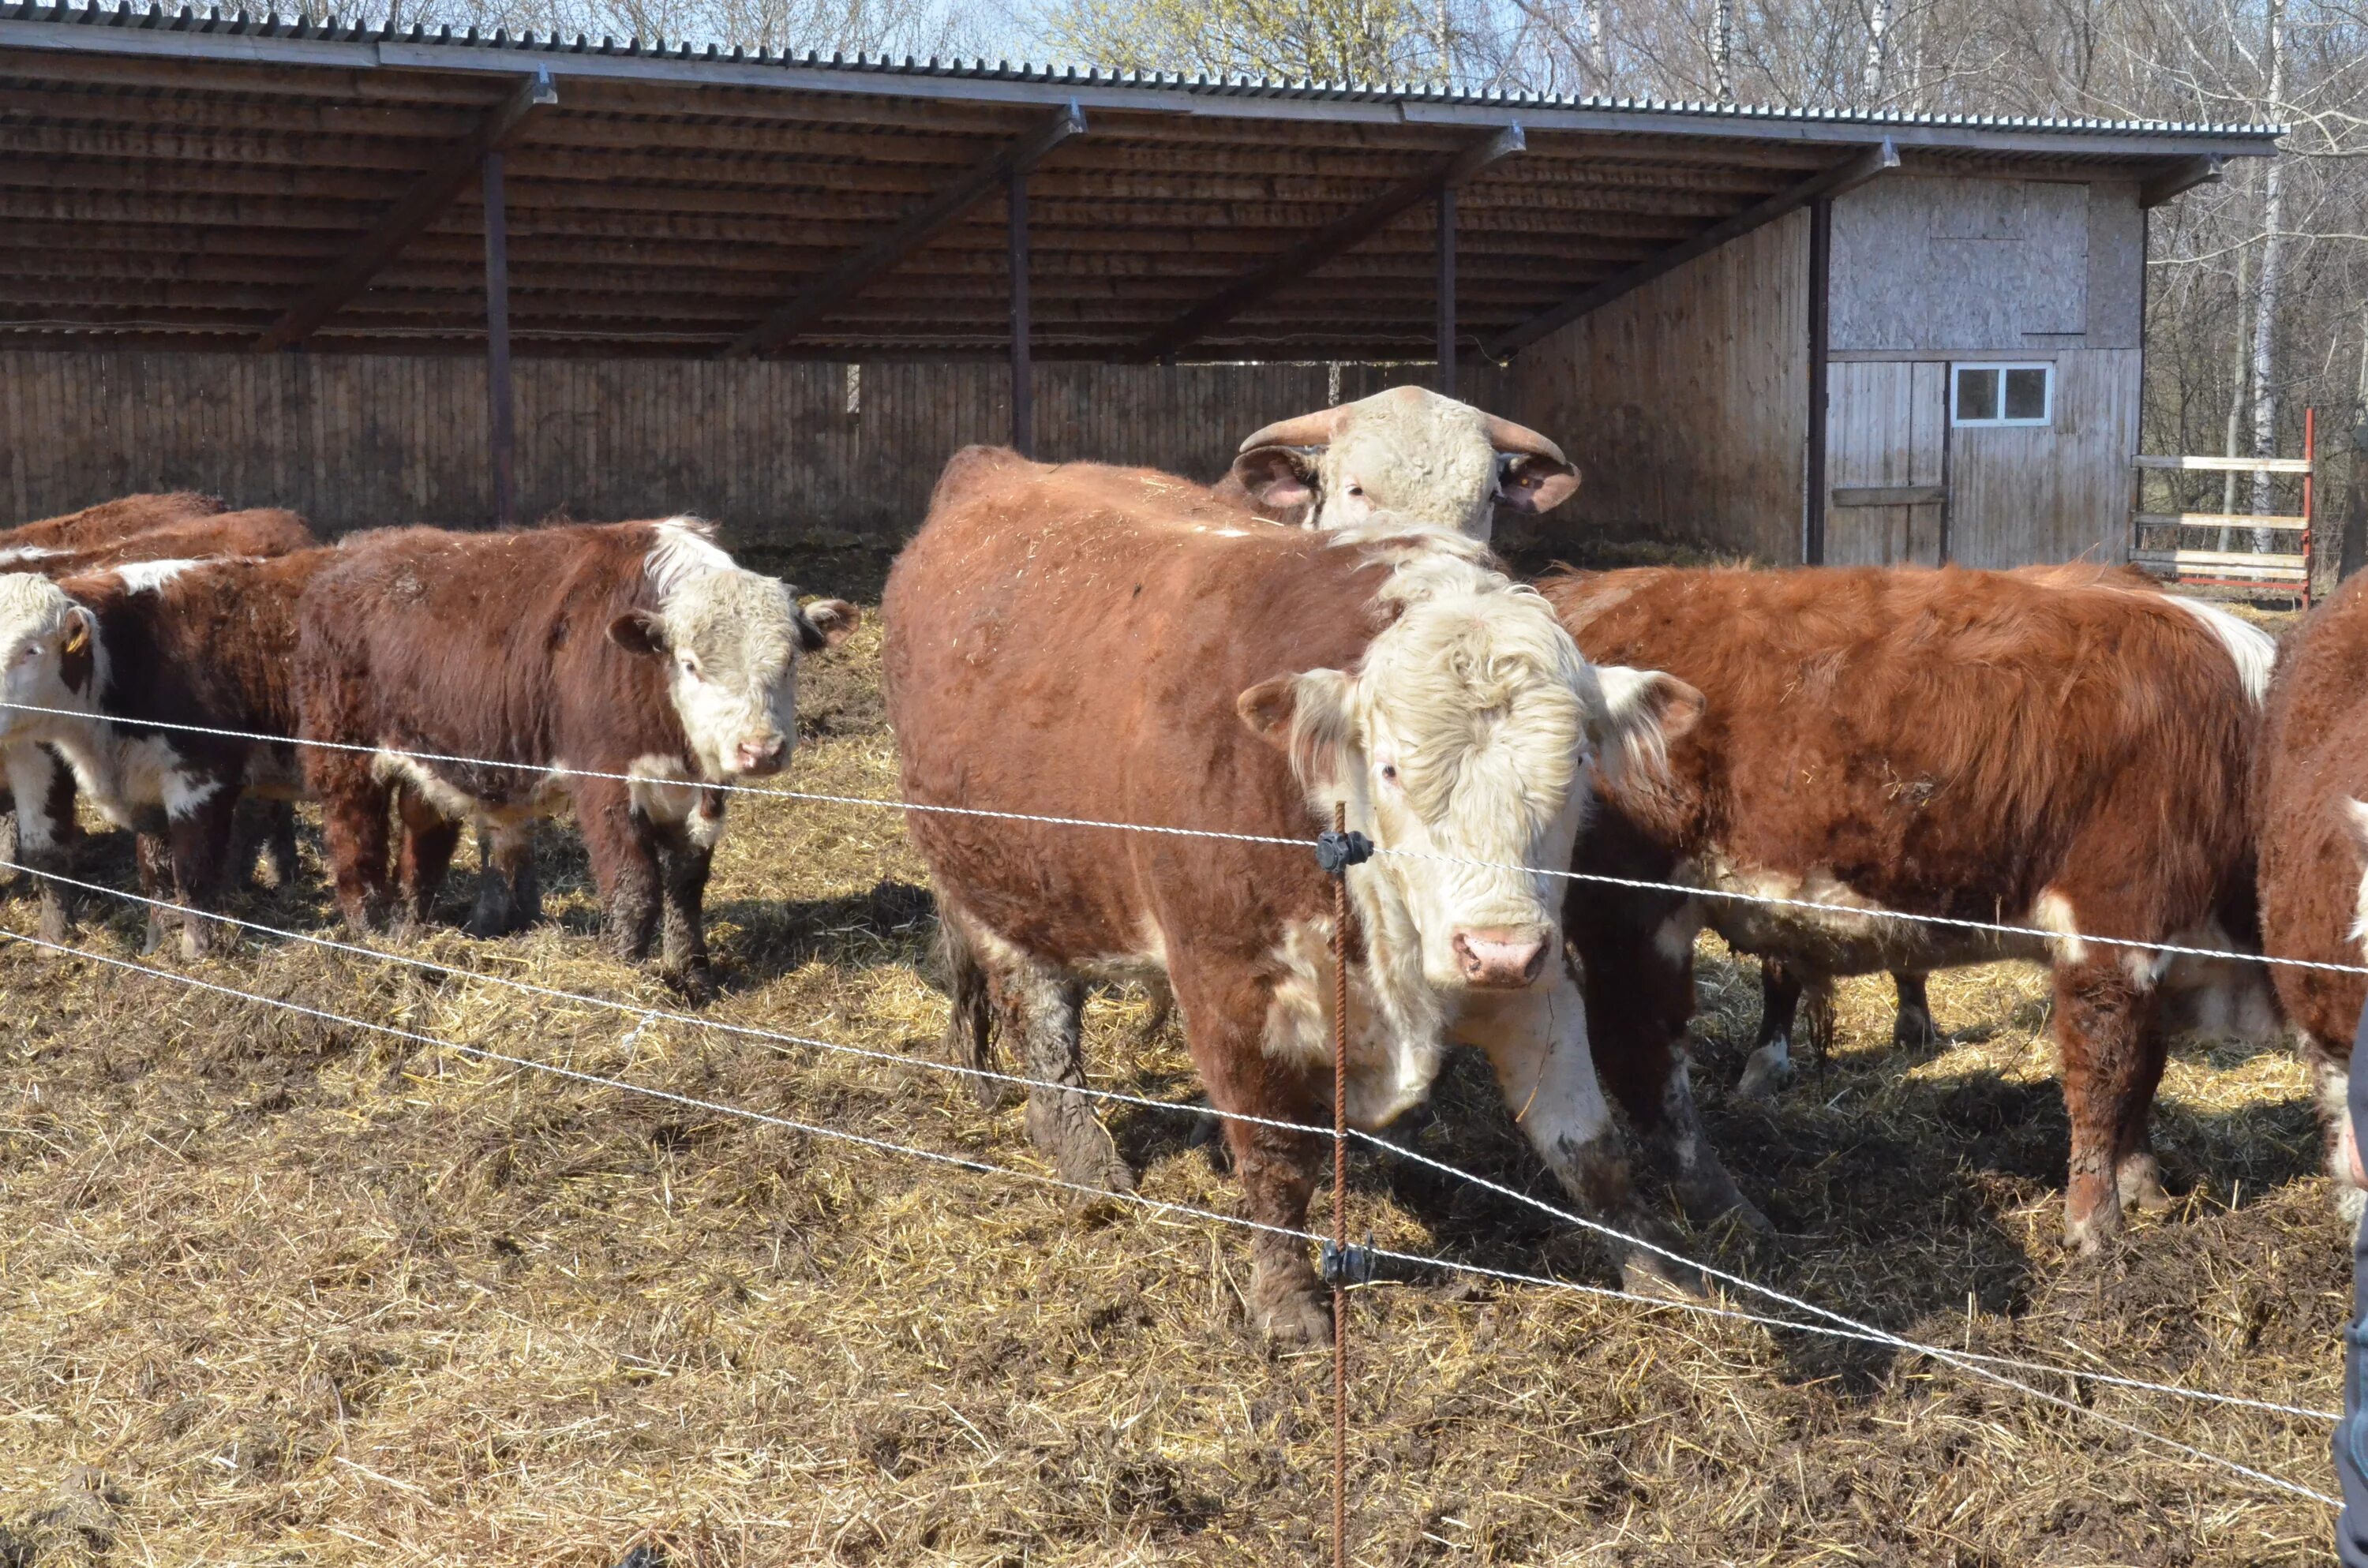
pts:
[2061, 764]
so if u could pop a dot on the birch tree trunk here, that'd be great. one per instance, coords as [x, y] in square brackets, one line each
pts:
[1722, 49]
[1878, 45]
[2265, 309]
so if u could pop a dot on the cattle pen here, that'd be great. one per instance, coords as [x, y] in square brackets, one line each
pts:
[322, 1251]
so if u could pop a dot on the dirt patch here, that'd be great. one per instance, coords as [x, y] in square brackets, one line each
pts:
[284, 1290]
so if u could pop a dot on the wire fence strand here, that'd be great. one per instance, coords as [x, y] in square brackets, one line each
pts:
[645, 1016]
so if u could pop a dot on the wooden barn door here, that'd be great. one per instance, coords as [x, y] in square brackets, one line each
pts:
[1887, 444]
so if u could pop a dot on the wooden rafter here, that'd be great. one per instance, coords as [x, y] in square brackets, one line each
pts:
[430, 196]
[1341, 234]
[842, 282]
[1829, 183]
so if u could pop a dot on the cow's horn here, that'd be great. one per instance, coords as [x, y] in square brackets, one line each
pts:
[1507, 437]
[1306, 430]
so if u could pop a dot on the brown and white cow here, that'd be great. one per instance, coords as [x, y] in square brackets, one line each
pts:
[2057, 751]
[1077, 642]
[24, 547]
[633, 649]
[1407, 452]
[198, 642]
[134, 530]
[2313, 845]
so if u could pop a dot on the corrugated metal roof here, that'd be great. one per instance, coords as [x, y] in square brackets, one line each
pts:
[891, 70]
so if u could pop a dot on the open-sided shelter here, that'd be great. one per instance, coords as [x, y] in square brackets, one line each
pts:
[388, 275]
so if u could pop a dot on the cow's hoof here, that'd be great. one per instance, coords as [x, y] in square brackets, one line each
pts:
[1064, 1127]
[1294, 1310]
[1913, 1030]
[1649, 1274]
[152, 938]
[1769, 1070]
[484, 925]
[197, 941]
[55, 926]
[695, 984]
[2090, 1230]
[2140, 1180]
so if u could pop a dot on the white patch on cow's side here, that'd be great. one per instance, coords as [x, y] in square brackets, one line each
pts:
[1828, 927]
[11, 559]
[2212, 998]
[1390, 1069]
[2250, 649]
[1673, 939]
[2050, 911]
[684, 547]
[451, 803]
[147, 576]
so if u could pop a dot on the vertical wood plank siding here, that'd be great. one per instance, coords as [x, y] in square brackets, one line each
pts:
[766, 447]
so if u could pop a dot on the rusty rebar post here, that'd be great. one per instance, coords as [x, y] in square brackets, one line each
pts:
[1340, 1202]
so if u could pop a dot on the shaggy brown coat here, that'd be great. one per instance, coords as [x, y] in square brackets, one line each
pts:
[109, 522]
[2053, 750]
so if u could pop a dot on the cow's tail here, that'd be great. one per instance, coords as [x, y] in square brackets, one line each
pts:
[969, 1025]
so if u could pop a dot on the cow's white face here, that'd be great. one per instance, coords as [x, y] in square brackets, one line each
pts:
[730, 641]
[1461, 744]
[49, 645]
[1408, 452]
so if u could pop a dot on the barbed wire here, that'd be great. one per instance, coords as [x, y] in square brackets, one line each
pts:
[1846, 1328]
[1686, 890]
[1164, 1206]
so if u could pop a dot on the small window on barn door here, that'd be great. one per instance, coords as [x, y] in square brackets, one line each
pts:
[2001, 394]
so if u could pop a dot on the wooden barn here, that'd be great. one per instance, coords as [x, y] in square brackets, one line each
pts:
[390, 276]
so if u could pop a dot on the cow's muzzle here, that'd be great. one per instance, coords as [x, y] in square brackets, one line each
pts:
[759, 755]
[1502, 957]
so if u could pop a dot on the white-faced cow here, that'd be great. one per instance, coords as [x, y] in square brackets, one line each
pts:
[133, 531]
[1408, 453]
[109, 657]
[2313, 845]
[1075, 642]
[2053, 750]
[554, 653]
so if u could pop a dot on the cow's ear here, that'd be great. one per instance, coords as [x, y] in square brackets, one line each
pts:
[78, 655]
[1644, 711]
[1305, 715]
[1527, 482]
[639, 632]
[1280, 479]
[826, 623]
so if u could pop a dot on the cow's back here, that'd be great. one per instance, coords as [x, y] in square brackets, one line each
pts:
[490, 644]
[209, 643]
[1070, 642]
[2314, 763]
[1941, 740]
[109, 521]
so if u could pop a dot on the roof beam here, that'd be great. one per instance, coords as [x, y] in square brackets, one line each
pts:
[1829, 183]
[2181, 178]
[842, 282]
[1341, 234]
[425, 201]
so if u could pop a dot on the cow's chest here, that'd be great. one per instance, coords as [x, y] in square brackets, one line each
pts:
[1397, 1042]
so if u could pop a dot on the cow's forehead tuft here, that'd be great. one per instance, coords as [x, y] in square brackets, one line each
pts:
[27, 597]
[733, 608]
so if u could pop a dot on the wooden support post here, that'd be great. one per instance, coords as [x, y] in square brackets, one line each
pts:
[1447, 291]
[1821, 253]
[500, 442]
[1848, 175]
[1023, 387]
[415, 211]
[2354, 551]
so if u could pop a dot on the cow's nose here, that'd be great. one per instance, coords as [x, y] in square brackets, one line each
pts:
[1500, 957]
[763, 754]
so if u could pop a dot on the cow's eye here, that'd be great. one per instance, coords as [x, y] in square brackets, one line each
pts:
[1356, 490]
[1390, 772]
[690, 665]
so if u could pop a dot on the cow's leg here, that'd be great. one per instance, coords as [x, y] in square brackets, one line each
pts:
[688, 856]
[429, 839]
[46, 834]
[1226, 1013]
[510, 897]
[969, 1038]
[152, 858]
[1042, 1009]
[198, 831]
[2113, 1059]
[624, 855]
[1770, 1066]
[1537, 1043]
[1637, 970]
[354, 806]
[1911, 1027]
[265, 827]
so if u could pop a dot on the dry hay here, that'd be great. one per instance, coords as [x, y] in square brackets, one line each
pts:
[279, 1292]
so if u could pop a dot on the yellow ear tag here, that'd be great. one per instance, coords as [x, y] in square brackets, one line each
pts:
[78, 636]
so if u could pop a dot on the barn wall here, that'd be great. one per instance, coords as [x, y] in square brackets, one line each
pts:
[770, 450]
[2023, 494]
[1685, 403]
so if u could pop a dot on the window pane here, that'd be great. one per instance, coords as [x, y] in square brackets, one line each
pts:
[2026, 394]
[1977, 394]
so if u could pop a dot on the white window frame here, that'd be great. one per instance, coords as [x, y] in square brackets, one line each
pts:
[2046, 416]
